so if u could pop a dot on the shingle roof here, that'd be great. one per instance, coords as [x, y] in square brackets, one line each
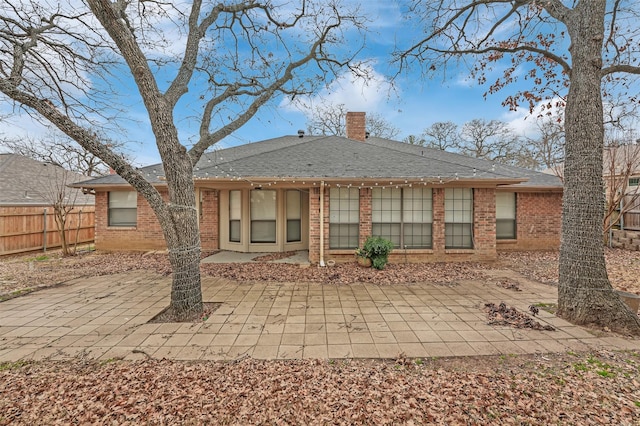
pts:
[24, 181]
[333, 157]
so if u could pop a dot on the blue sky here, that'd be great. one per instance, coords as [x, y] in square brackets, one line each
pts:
[411, 104]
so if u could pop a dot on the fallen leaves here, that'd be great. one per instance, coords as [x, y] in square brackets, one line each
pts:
[510, 316]
[479, 390]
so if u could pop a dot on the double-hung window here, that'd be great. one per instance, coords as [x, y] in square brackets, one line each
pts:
[458, 218]
[505, 215]
[344, 218]
[235, 215]
[123, 208]
[294, 215]
[263, 216]
[403, 216]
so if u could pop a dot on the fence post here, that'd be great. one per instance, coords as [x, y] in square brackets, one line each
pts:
[44, 239]
[622, 214]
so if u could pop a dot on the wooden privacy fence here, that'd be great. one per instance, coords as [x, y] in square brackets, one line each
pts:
[631, 218]
[31, 228]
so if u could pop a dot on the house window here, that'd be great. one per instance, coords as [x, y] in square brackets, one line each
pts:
[634, 181]
[263, 216]
[403, 216]
[294, 215]
[344, 217]
[458, 218]
[235, 213]
[386, 214]
[505, 215]
[123, 208]
[417, 217]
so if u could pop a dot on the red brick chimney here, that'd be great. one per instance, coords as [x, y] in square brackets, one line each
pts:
[356, 128]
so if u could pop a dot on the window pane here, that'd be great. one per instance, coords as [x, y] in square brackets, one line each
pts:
[505, 205]
[293, 230]
[343, 236]
[123, 199]
[417, 235]
[505, 229]
[417, 206]
[390, 231]
[263, 204]
[122, 217]
[458, 235]
[263, 231]
[234, 231]
[458, 205]
[235, 205]
[294, 205]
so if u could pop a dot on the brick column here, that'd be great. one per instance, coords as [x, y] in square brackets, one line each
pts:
[209, 220]
[437, 227]
[314, 225]
[484, 221]
[365, 215]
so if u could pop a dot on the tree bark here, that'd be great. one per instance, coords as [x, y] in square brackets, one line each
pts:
[585, 295]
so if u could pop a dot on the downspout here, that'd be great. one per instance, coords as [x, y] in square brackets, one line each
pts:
[322, 223]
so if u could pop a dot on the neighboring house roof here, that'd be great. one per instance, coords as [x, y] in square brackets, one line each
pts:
[616, 160]
[24, 181]
[334, 157]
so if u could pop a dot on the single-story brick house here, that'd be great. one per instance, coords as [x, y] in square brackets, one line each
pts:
[326, 194]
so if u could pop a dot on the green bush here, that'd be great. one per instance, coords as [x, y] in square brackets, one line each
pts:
[378, 249]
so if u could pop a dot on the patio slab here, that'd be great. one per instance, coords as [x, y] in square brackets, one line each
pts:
[95, 317]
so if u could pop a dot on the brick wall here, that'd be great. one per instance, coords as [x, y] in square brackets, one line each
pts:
[146, 235]
[209, 220]
[538, 222]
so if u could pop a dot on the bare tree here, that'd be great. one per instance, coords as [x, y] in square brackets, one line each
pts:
[224, 61]
[329, 119]
[442, 135]
[549, 144]
[61, 151]
[580, 49]
[493, 141]
[414, 140]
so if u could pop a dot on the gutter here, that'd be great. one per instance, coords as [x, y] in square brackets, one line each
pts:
[322, 224]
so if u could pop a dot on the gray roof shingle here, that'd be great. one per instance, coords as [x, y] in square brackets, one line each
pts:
[24, 181]
[333, 157]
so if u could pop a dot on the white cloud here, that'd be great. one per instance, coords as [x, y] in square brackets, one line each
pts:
[524, 122]
[356, 93]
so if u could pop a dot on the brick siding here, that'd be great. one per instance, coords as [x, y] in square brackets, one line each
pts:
[538, 222]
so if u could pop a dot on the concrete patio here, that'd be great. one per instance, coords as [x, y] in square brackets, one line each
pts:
[107, 317]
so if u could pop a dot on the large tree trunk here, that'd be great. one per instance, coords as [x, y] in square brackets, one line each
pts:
[184, 255]
[585, 295]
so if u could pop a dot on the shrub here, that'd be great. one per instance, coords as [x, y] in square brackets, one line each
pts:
[378, 249]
